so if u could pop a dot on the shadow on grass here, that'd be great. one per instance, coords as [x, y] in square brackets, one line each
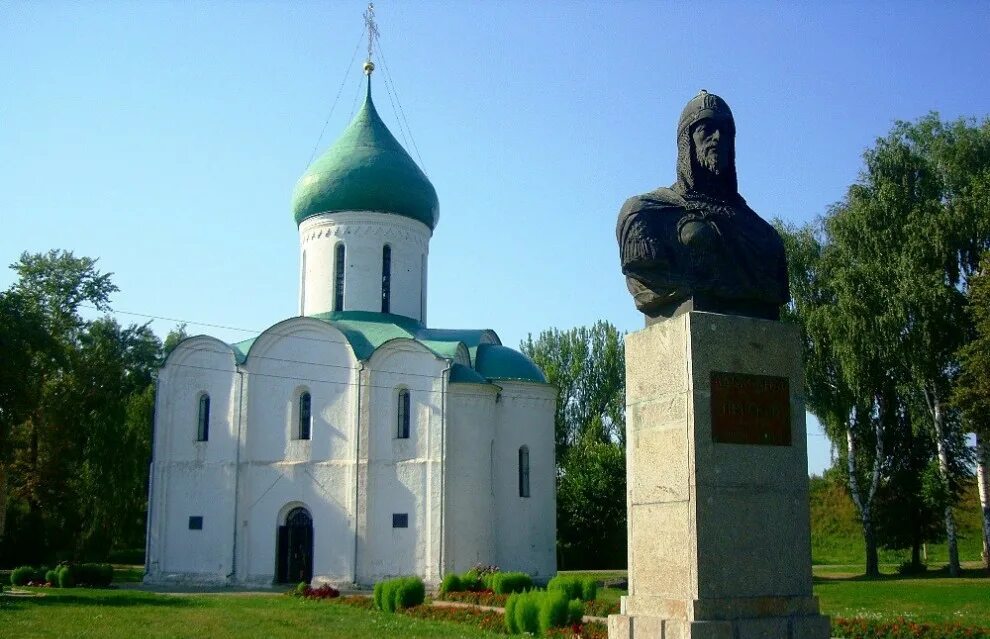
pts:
[107, 601]
[937, 573]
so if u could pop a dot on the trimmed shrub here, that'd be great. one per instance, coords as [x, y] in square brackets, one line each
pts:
[66, 577]
[409, 592]
[510, 614]
[95, 575]
[568, 585]
[527, 612]
[301, 588]
[451, 583]
[585, 589]
[553, 610]
[52, 577]
[505, 583]
[575, 612]
[403, 592]
[377, 594]
[21, 575]
[589, 589]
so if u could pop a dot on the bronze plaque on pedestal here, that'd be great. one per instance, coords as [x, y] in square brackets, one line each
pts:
[750, 409]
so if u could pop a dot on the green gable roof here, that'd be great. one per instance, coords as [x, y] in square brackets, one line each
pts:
[366, 169]
[365, 331]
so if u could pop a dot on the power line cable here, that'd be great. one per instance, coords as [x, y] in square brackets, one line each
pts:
[335, 101]
[381, 54]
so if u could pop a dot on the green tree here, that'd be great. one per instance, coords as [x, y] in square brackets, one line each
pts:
[23, 344]
[77, 447]
[921, 218]
[587, 365]
[892, 268]
[841, 391]
[972, 392]
[591, 505]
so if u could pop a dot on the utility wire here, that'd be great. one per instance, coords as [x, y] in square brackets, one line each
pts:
[381, 54]
[347, 73]
[258, 332]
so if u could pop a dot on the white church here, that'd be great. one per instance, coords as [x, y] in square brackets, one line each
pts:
[353, 442]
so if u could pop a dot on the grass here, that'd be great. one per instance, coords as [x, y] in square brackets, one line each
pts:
[844, 592]
[930, 598]
[837, 535]
[118, 614]
[110, 614]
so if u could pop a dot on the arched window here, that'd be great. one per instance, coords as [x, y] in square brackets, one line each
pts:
[203, 424]
[524, 471]
[403, 421]
[386, 277]
[338, 278]
[305, 415]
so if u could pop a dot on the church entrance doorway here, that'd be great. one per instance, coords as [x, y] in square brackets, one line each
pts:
[295, 548]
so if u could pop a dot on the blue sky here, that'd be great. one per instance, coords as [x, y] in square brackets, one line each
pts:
[165, 137]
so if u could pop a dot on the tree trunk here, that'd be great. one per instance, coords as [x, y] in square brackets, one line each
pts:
[916, 547]
[982, 461]
[864, 504]
[943, 466]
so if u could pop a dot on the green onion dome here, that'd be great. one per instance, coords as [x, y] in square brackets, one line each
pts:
[366, 169]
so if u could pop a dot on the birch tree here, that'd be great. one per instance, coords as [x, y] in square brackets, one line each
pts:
[972, 393]
[840, 389]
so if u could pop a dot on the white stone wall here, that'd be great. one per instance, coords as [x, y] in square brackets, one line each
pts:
[403, 475]
[469, 509]
[525, 527]
[190, 477]
[279, 471]
[455, 476]
[364, 235]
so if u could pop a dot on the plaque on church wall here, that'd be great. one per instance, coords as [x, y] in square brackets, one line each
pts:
[750, 409]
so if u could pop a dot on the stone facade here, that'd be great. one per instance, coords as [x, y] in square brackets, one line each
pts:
[719, 534]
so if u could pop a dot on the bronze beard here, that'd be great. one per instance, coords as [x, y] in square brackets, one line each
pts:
[739, 266]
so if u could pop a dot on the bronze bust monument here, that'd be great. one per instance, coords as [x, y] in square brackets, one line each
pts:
[697, 245]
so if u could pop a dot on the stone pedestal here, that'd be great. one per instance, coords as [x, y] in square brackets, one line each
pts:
[719, 532]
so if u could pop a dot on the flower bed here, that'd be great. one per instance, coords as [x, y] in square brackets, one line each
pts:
[859, 628]
[593, 630]
[599, 608]
[477, 598]
[487, 620]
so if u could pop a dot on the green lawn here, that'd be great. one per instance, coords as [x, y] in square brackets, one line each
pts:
[843, 592]
[124, 614]
[932, 598]
[112, 614]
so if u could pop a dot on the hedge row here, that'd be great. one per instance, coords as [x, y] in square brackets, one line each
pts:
[583, 588]
[501, 583]
[538, 611]
[65, 576]
[396, 594]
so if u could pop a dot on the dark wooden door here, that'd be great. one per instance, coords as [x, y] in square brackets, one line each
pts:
[295, 548]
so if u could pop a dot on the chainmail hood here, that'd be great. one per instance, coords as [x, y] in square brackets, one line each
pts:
[690, 178]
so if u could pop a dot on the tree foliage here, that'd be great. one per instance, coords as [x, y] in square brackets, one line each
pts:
[587, 365]
[76, 416]
[880, 290]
